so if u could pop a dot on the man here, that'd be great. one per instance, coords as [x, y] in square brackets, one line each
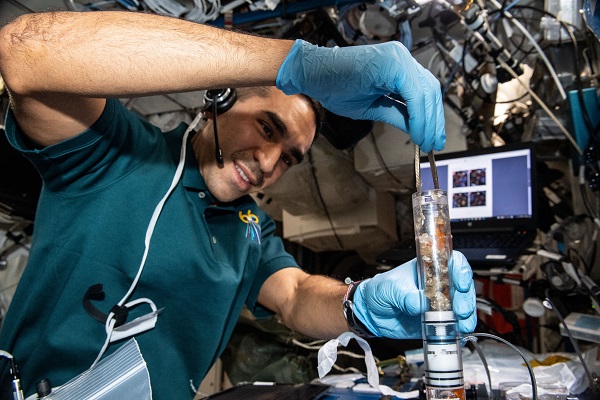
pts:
[115, 208]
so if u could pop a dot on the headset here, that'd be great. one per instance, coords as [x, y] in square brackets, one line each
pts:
[218, 101]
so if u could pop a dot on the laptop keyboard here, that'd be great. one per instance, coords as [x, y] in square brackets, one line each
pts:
[482, 240]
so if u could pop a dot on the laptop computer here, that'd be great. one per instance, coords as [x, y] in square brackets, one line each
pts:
[492, 201]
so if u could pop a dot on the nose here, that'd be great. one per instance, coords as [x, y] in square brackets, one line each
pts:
[268, 155]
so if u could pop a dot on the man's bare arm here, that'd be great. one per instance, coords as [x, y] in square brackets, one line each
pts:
[309, 304]
[60, 66]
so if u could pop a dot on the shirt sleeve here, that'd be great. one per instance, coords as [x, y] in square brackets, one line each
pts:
[98, 156]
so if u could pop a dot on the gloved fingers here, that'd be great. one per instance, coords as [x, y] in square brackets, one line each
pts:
[413, 304]
[405, 327]
[440, 133]
[422, 93]
[420, 121]
[403, 78]
[354, 81]
[433, 111]
[406, 296]
[464, 304]
[468, 325]
[416, 104]
[405, 273]
[390, 110]
[460, 270]
[390, 293]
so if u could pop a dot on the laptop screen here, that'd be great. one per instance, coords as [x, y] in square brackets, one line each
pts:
[491, 187]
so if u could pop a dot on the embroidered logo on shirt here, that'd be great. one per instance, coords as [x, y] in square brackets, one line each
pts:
[253, 230]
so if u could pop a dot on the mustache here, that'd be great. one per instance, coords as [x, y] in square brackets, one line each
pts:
[251, 164]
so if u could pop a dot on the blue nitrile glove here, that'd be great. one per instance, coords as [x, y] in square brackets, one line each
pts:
[362, 82]
[389, 303]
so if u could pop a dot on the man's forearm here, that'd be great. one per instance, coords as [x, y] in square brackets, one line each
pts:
[104, 54]
[318, 310]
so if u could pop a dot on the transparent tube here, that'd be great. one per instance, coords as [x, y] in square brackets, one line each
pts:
[443, 362]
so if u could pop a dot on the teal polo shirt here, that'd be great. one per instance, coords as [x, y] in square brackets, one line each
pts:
[100, 190]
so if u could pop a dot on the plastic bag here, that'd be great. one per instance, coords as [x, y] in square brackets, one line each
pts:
[121, 375]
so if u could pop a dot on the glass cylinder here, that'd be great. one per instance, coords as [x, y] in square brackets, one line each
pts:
[443, 362]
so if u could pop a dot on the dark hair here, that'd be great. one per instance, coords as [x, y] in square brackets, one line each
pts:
[263, 91]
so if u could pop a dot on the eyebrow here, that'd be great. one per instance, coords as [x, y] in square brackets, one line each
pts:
[283, 131]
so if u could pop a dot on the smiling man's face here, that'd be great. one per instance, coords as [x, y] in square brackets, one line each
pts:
[260, 138]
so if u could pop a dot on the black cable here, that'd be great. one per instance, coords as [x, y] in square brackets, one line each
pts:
[592, 255]
[314, 175]
[534, 88]
[518, 46]
[531, 374]
[586, 200]
[509, 316]
[218, 154]
[485, 367]
[580, 260]
[517, 7]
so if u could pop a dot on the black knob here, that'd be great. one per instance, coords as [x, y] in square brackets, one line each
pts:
[43, 388]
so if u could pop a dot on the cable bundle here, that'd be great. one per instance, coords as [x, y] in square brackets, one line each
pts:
[169, 8]
[202, 10]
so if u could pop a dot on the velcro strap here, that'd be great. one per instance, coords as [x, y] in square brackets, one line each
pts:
[96, 293]
[120, 314]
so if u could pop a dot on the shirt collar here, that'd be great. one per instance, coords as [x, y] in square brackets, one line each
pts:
[192, 180]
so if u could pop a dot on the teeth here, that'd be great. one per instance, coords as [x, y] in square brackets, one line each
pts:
[244, 177]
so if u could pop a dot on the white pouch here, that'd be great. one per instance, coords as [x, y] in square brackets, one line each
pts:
[121, 375]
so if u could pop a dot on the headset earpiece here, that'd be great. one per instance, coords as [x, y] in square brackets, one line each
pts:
[218, 101]
[223, 98]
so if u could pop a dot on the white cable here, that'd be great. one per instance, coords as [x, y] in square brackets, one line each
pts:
[343, 352]
[6, 354]
[354, 355]
[309, 346]
[540, 51]
[315, 342]
[110, 324]
[110, 321]
[349, 369]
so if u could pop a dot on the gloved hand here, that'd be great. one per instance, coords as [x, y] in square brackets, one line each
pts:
[366, 82]
[389, 303]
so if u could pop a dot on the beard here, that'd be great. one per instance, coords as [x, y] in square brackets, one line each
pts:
[251, 164]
